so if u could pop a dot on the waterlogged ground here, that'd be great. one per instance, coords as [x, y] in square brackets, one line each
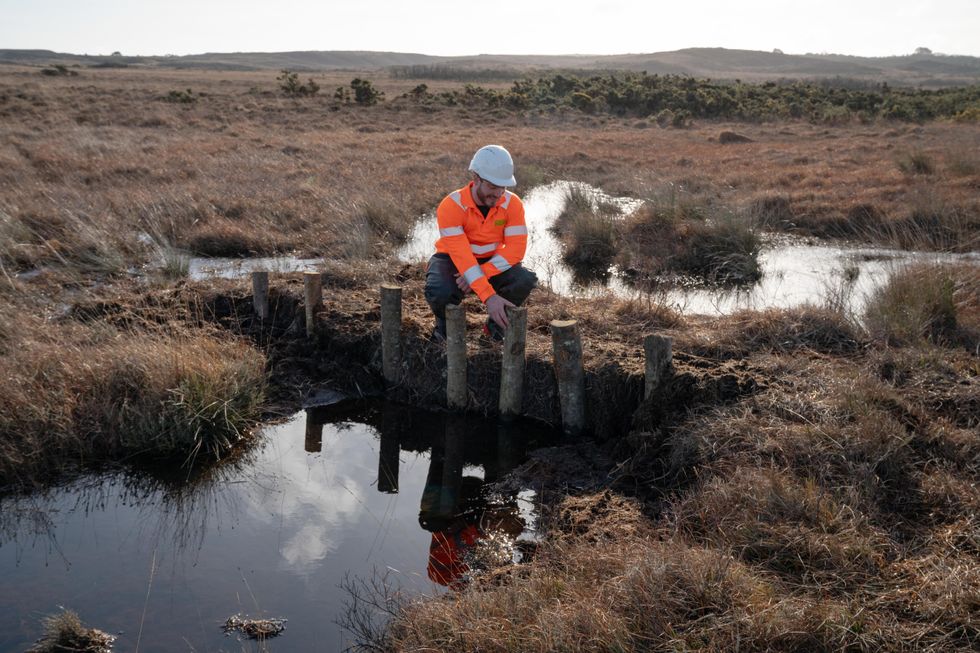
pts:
[795, 272]
[162, 563]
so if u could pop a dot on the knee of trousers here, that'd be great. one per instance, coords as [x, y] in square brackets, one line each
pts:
[440, 293]
[516, 284]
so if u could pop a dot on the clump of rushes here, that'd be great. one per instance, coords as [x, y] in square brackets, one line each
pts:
[92, 393]
[590, 231]
[668, 238]
[935, 303]
[64, 632]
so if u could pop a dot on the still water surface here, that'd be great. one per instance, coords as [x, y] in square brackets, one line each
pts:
[794, 271]
[324, 496]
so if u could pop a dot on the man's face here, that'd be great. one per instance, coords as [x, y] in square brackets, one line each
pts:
[485, 193]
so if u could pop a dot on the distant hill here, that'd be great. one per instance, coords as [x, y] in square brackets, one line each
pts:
[925, 69]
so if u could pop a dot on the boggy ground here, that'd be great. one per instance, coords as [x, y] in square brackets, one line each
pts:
[794, 484]
[799, 483]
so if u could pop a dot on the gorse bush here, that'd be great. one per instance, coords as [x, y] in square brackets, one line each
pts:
[290, 85]
[365, 93]
[674, 99]
[181, 97]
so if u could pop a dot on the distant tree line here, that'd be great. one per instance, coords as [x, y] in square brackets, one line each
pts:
[677, 98]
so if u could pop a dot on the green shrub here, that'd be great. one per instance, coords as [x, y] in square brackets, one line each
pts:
[58, 71]
[291, 86]
[180, 97]
[364, 92]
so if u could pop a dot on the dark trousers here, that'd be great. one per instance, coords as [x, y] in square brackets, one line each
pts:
[441, 290]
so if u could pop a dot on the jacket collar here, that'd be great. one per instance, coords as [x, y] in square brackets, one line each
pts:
[466, 194]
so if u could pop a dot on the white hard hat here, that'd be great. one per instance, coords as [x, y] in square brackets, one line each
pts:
[494, 164]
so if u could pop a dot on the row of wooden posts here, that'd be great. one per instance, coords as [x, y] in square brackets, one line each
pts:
[566, 346]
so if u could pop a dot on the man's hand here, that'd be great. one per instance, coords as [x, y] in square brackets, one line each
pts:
[462, 283]
[497, 308]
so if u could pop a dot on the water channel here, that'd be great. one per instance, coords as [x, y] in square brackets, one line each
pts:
[341, 492]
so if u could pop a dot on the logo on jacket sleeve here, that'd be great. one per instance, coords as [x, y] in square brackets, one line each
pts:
[501, 222]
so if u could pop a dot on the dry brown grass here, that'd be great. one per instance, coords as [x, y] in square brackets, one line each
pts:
[65, 632]
[935, 302]
[80, 393]
[831, 509]
[245, 170]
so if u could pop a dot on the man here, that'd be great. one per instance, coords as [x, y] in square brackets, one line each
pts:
[482, 240]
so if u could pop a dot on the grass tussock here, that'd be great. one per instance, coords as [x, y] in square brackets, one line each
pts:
[787, 330]
[64, 633]
[639, 590]
[590, 231]
[792, 527]
[916, 163]
[83, 393]
[673, 238]
[934, 303]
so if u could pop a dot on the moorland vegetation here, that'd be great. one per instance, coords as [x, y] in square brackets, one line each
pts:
[807, 479]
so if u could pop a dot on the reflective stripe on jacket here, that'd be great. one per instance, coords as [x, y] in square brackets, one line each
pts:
[466, 235]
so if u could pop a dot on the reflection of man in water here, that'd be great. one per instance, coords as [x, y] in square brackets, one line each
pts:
[455, 510]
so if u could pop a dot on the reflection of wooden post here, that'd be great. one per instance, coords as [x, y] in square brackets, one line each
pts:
[452, 466]
[260, 293]
[456, 357]
[658, 359]
[388, 462]
[570, 375]
[509, 447]
[391, 331]
[313, 298]
[512, 363]
[314, 433]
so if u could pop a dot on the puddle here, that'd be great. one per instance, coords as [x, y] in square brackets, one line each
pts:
[794, 273]
[542, 206]
[323, 497]
[234, 268]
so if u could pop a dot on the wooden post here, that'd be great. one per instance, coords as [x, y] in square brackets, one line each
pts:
[314, 433]
[260, 293]
[313, 298]
[456, 392]
[570, 374]
[512, 363]
[509, 447]
[391, 332]
[658, 360]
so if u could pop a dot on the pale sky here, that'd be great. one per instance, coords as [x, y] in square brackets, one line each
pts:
[439, 27]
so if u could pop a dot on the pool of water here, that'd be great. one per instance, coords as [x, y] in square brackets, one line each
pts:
[328, 495]
[794, 272]
[234, 268]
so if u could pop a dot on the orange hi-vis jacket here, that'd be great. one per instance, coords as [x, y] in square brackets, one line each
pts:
[466, 235]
